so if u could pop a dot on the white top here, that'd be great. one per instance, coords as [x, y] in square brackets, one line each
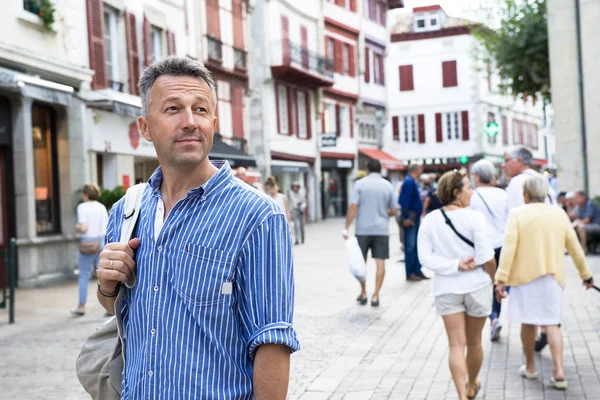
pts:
[495, 213]
[280, 200]
[515, 190]
[95, 216]
[441, 250]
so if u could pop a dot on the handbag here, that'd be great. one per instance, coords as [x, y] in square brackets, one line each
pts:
[89, 247]
[101, 360]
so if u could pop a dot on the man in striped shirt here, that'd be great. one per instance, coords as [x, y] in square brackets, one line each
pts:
[210, 316]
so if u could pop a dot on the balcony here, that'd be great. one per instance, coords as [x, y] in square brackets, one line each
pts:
[235, 142]
[114, 85]
[215, 49]
[294, 63]
[239, 59]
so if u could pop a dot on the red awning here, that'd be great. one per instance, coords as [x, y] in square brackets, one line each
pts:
[387, 161]
[539, 162]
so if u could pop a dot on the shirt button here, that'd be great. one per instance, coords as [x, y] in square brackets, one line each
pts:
[203, 197]
[150, 373]
[159, 248]
[153, 331]
[156, 288]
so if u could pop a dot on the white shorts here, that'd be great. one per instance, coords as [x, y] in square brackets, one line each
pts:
[474, 304]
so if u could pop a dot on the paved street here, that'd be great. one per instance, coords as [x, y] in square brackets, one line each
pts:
[398, 351]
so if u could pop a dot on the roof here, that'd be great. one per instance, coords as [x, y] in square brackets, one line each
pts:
[387, 161]
[403, 28]
[427, 8]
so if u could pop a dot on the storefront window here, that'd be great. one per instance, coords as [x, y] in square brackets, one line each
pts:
[45, 170]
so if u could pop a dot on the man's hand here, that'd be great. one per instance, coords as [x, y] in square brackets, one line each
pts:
[407, 223]
[501, 292]
[116, 264]
[468, 264]
[345, 234]
[589, 283]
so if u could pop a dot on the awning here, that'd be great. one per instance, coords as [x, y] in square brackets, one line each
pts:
[387, 161]
[235, 157]
[281, 166]
[36, 88]
[539, 162]
[123, 104]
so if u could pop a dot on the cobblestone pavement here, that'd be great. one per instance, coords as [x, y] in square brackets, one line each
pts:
[396, 351]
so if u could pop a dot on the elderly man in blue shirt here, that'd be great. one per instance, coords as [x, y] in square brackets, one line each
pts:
[211, 314]
[412, 208]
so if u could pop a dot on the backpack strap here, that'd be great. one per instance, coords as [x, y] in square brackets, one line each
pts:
[131, 212]
[451, 225]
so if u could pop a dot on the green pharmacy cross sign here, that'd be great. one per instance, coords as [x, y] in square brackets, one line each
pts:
[492, 129]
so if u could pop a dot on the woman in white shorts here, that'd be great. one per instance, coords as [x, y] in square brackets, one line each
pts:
[453, 242]
[532, 263]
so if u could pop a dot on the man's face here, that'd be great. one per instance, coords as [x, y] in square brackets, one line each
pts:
[295, 188]
[181, 120]
[511, 166]
[580, 200]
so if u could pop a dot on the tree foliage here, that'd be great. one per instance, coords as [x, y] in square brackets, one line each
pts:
[518, 50]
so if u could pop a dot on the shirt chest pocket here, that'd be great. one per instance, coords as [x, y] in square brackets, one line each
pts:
[205, 275]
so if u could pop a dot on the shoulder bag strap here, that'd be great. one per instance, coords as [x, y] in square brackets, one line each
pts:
[451, 225]
[131, 212]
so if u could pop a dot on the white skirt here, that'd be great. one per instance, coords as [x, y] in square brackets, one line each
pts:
[539, 302]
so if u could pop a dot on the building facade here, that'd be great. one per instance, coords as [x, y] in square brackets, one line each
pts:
[41, 140]
[575, 105]
[446, 110]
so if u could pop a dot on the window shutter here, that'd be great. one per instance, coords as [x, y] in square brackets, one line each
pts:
[337, 120]
[520, 132]
[340, 3]
[449, 77]
[465, 125]
[383, 13]
[339, 57]
[185, 15]
[504, 130]
[133, 55]
[285, 34]
[372, 10]
[308, 116]
[352, 60]
[323, 127]
[95, 19]
[277, 108]
[406, 78]
[290, 105]
[396, 129]
[213, 20]
[367, 65]
[238, 24]
[353, 5]
[147, 43]
[439, 136]
[171, 49]
[421, 122]
[237, 111]
[382, 70]
[304, 40]
[351, 121]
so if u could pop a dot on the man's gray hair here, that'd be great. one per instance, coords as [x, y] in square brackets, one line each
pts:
[173, 66]
[485, 170]
[524, 154]
[536, 187]
[413, 167]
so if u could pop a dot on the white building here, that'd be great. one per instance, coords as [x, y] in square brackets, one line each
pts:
[445, 109]
[41, 143]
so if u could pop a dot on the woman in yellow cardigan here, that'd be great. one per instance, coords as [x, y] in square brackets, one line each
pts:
[532, 264]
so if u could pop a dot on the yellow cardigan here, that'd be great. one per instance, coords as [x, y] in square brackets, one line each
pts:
[536, 237]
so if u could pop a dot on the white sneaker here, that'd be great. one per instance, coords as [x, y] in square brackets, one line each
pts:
[526, 374]
[495, 329]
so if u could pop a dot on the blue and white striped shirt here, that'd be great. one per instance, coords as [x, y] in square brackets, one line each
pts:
[215, 283]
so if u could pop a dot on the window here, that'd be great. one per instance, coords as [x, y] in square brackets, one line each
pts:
[224, 107]
[282, 108]
[302, 116]
[111, 48]
[331, 52]
[329, 117]
[346, 59]
[433, 22]
[378, 68]
[515, 131]
[420, 23]
[449, 74]
[409, 129]
[156, 43]
[406, 78]
[344, 121]
[452, 126]
[45, 170]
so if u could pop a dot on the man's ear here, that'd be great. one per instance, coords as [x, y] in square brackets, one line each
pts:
[143, 125]
[215, 124]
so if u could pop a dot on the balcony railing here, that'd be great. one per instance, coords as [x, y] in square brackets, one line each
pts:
[215, 49]
[114, 85]
[235, 142]
[309, 60]
[239, 59]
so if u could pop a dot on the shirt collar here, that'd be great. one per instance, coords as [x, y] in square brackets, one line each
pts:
[215, 183]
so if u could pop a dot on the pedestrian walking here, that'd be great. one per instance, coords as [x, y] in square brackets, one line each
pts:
[454, 244]
[297, 199]
[272, 189]
[412, 208]
[373, 203]
[211, 313]
[532, 263]
[92, 220]
[490, 201]
[432, 201]
[587, 218]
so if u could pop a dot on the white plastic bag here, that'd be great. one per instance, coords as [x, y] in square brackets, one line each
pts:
[356, 261]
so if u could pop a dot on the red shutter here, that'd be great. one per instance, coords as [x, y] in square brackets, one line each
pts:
[339, 57]
[213, 20]
[367, 65]
[323, 127]
[465, 125]
[353, 5]
[185, 15]
[351, 121]
[237, 12]
[237, 111]
[382, 70]
[352, 60]
[383, 13]
[292, 112]
[396, 129]
[439, 136]
[337, 120]
[133, 55]
[341, 3]
[304, 39]
[285, 34]
[449, 74]
[277, 108]
[520, 132]
[308, 117]
[95, 20]
[171, 48]
[147, 42]
[372, 10]
[406, 78]
[421, 122]
[504, 130]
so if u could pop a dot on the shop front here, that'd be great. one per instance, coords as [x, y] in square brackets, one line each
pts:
[391, 168]
[288, 169]
[336, 183]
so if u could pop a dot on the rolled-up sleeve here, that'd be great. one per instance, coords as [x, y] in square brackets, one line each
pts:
[266, 284]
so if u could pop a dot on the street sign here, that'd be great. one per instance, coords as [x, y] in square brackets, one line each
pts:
[328, 139]
[492, 129]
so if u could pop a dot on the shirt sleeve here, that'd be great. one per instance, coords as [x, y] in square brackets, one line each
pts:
[515, 195]
[81, 216]
[266, 285]
[405, 196]
[589, 210]
[356, 193]
[509, 249]
[113, 229]
[393, 204]
[438, 264]
[484, 251]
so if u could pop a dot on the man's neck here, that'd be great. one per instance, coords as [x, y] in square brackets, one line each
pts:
[177, 182]
[414, 176]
